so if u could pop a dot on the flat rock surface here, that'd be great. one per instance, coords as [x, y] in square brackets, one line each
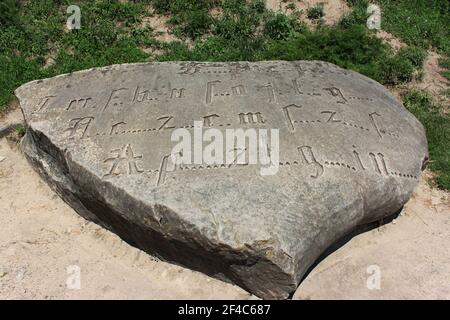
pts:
[349, 154]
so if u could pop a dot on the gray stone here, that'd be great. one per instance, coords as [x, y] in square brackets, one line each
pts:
[350, 154]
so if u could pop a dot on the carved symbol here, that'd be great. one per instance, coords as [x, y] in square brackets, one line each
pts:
[112, 96]
[43, 102]
[288, 115]
[331, 118]
[237, 68]
[140, 96]
[374, 122]
[79, 123]
[207, 120]
[296, 86]
[271, 93]
[238, 157]
[251, 118]
[238, 90]
[358, 159]
[177, 93]
[310, 159]
[114, 126]
[126, 156]
[163, 169]
[336, 92]
[166, 120]
[377, 165]
[190, 68]
[77, 102]
[209, 90]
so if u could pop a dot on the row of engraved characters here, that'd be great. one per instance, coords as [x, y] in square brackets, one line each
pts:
[114, 99]
[80, 126]
[124, 161]
[118, 96]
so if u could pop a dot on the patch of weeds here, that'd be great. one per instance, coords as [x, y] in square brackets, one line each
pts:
[437, 126]
[352, 47]
[415, 55]
[278, 26]
[396, 70]
[15, 134]
[20, 130]
[190, 18]
[291, 6]
[35, 31]
[445, 64]
[357, 16]
[9, 11]
[247, 31]
[237, 34]
[315, 12]
[422, 23]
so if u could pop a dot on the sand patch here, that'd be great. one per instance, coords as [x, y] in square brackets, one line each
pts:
[334, 10]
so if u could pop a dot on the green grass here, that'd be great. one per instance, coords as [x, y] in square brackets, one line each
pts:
[420, 23]
[445, 63]
[437, 125]
[20, 130]
[316, 12]
[423, 23]
[32, 33]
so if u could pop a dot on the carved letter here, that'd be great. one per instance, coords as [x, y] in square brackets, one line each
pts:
[209, 90]
[377, 165]
[112, 96]
[250, 118]
[113, 127]
[310, 159]
[43, 102]
[79, 123]
[374, 123]
[336, 92]
[207, 120]
[165, 121]
[288, 115]
[331, 118]
[126, 156]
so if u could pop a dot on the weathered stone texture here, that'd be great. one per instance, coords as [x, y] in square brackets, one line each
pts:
[350, 154]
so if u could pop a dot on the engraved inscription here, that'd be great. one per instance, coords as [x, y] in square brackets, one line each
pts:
[43, 102]
[336, 92]
[79, 103]
[251, 118]
[309, 158]
[210, 90]
[288, 116]
[79, 125]
[124, 161]
[313, 108]
[114, 99]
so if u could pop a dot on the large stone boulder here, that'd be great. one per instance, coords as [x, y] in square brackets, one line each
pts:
[346, 153]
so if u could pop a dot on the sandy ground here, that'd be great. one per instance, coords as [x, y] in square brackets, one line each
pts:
[41, 238]
[333, 9]
[395, 43]
[432, 80]
[411, 254]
